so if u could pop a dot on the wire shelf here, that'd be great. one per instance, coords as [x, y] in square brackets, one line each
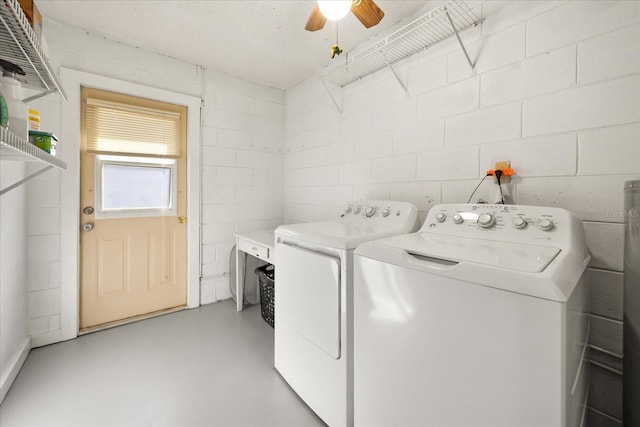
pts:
[14, 148]
[423, 32]
[18, 44]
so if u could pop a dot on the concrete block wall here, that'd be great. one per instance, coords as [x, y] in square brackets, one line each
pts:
[43, 239]
[241, 163]
[556, 91]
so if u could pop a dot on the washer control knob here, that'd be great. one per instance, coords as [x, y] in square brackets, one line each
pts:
[357, 210]
[457, 218]
[545, 225]
[386, 212]
[440, 216]
[486, 220]
[370, 211]
[519, 223]
[348, 210]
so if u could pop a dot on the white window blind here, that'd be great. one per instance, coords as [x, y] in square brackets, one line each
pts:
[113, 127]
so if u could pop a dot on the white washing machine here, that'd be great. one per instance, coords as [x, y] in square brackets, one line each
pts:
[479, 319]
[314, 301]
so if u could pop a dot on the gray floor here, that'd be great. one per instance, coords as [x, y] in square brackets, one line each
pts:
[210, 366]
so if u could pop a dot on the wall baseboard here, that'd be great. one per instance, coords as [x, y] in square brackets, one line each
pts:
[8, 377]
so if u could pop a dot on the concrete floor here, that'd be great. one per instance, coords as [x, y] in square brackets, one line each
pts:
[209, 366]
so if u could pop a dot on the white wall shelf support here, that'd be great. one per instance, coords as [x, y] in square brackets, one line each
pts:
[455, 30]
[25, 179]
[395, 73]
[39, 95]
[338, 105]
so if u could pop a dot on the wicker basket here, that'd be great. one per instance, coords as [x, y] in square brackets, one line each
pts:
[266, 277]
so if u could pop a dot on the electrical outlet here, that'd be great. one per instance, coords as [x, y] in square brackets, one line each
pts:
[502, 166]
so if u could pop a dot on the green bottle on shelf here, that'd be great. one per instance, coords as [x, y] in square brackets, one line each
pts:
[4, 112]
[11, 89]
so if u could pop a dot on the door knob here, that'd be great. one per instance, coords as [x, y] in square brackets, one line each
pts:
[87, 226]
[88, 210]
[182, 219]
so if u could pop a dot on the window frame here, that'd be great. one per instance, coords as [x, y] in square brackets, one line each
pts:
[164, 163]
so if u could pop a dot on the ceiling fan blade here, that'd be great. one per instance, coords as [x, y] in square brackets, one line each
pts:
[316, 20]
[367, 12]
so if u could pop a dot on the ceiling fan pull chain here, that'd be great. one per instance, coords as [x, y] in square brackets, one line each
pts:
[335, 49]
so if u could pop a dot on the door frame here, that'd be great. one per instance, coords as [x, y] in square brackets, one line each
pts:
[69, 151]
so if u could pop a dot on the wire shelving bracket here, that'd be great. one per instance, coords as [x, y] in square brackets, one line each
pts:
[455, 30]
[339, 106]
[395, 73]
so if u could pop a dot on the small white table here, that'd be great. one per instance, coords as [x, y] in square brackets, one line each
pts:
[258, 243]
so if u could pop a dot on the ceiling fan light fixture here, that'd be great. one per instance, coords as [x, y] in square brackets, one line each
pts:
[335, 9]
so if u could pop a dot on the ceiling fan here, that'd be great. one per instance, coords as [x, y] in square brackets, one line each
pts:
[365, 10]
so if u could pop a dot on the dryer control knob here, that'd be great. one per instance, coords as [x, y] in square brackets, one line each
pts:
[370, 211]
[357, 210]
[545, 225]
[457, 218]
[519, 223]
[486, 220]
[386, 212]
[440, 217]
[348, 210]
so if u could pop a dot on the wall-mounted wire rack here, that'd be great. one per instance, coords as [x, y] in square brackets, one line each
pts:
[434, 26]
[19, 45]
[14, 148]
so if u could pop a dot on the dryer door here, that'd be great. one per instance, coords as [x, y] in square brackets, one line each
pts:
[308, 296]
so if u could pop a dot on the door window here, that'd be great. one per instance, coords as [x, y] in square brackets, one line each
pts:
[134, 187]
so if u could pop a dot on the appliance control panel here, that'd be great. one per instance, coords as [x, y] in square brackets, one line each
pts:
[523, 224]
[379, 211]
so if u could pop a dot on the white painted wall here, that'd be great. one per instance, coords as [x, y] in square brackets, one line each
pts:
[241, 163]
[14, 338]
[556, 91]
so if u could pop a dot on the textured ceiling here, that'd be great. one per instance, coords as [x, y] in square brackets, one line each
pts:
[262, 41]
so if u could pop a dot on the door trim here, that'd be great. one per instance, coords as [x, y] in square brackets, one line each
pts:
[69, 151]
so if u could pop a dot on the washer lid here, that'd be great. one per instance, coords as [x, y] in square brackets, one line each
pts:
[340, 235]
[507, 255]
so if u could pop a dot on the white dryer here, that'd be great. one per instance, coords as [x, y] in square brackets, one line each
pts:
[314, 300]
[479, 319]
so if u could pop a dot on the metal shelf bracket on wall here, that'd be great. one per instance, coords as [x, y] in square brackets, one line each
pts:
[455, 30]
[25, 180]
[338, 106]
[393, 70]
